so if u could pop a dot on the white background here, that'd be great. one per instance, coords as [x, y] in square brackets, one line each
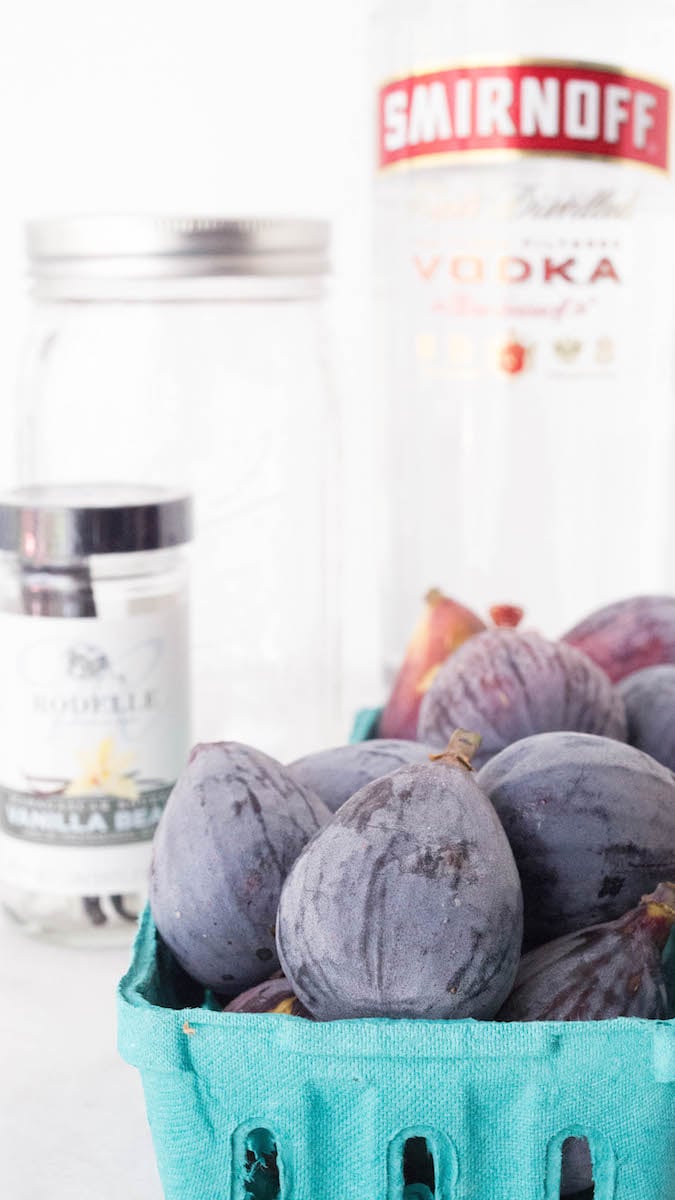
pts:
[214, 107]
[207, 107]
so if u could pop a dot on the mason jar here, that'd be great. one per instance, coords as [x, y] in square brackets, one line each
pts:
[192, 352]
[95, 702]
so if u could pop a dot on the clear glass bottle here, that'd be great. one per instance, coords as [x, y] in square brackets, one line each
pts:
[94, 711]
[193, 351]
[524, 242]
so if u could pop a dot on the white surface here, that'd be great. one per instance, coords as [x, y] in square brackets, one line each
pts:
[72, 1118]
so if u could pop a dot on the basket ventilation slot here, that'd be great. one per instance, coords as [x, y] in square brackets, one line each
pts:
[576, 1168]
[418, 1169]
[259, 1178]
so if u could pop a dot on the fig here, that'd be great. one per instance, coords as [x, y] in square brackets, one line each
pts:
[605, 971]
[336, 774]
[409, 903]
[232, 828]
[443, 626]
[576, 1175]
[591, 822]
[649, 697]
[508, 685]
[271, 996]
[626, 636]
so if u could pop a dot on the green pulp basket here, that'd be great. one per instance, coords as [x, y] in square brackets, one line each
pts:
[340, 1100]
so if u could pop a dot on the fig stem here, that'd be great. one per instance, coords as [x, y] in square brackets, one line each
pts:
[461, 748]
[506, 616]
[434, 596]
[661, 910]
[661, 902]
[285, 1006]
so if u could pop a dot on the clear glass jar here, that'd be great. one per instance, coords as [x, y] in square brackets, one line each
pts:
[94, 709]
[193, 352]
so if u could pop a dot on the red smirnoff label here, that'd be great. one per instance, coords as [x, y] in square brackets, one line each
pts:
[541, 107]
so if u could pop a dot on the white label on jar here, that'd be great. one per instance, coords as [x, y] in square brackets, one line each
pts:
[94, 728]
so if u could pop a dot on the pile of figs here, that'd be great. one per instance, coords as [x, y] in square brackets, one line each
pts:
[503, 849]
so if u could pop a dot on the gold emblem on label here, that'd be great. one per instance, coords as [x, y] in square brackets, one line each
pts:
[460, 350]
[567, 349]
[425, 346]
[604, 350]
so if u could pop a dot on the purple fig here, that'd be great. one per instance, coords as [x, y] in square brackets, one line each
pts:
[232, 828]
[409, 903]
[335, 775]
[602, 972]
[274, 995]
[649, 696]
[444, 625]
[508, 685]
[629, 635]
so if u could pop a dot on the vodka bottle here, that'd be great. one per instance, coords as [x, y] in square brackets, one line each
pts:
[524, 251]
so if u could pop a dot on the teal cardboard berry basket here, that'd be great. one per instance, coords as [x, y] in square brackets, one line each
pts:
[340, 1101]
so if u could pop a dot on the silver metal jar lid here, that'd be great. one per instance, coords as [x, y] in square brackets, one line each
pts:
[165, 247]
[56, 524]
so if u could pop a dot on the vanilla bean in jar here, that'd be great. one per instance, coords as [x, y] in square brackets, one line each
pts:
[94, 724]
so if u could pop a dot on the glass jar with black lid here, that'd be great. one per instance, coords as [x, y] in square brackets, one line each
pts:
[95, 721]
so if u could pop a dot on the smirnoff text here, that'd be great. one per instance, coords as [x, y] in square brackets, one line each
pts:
[540, 107]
